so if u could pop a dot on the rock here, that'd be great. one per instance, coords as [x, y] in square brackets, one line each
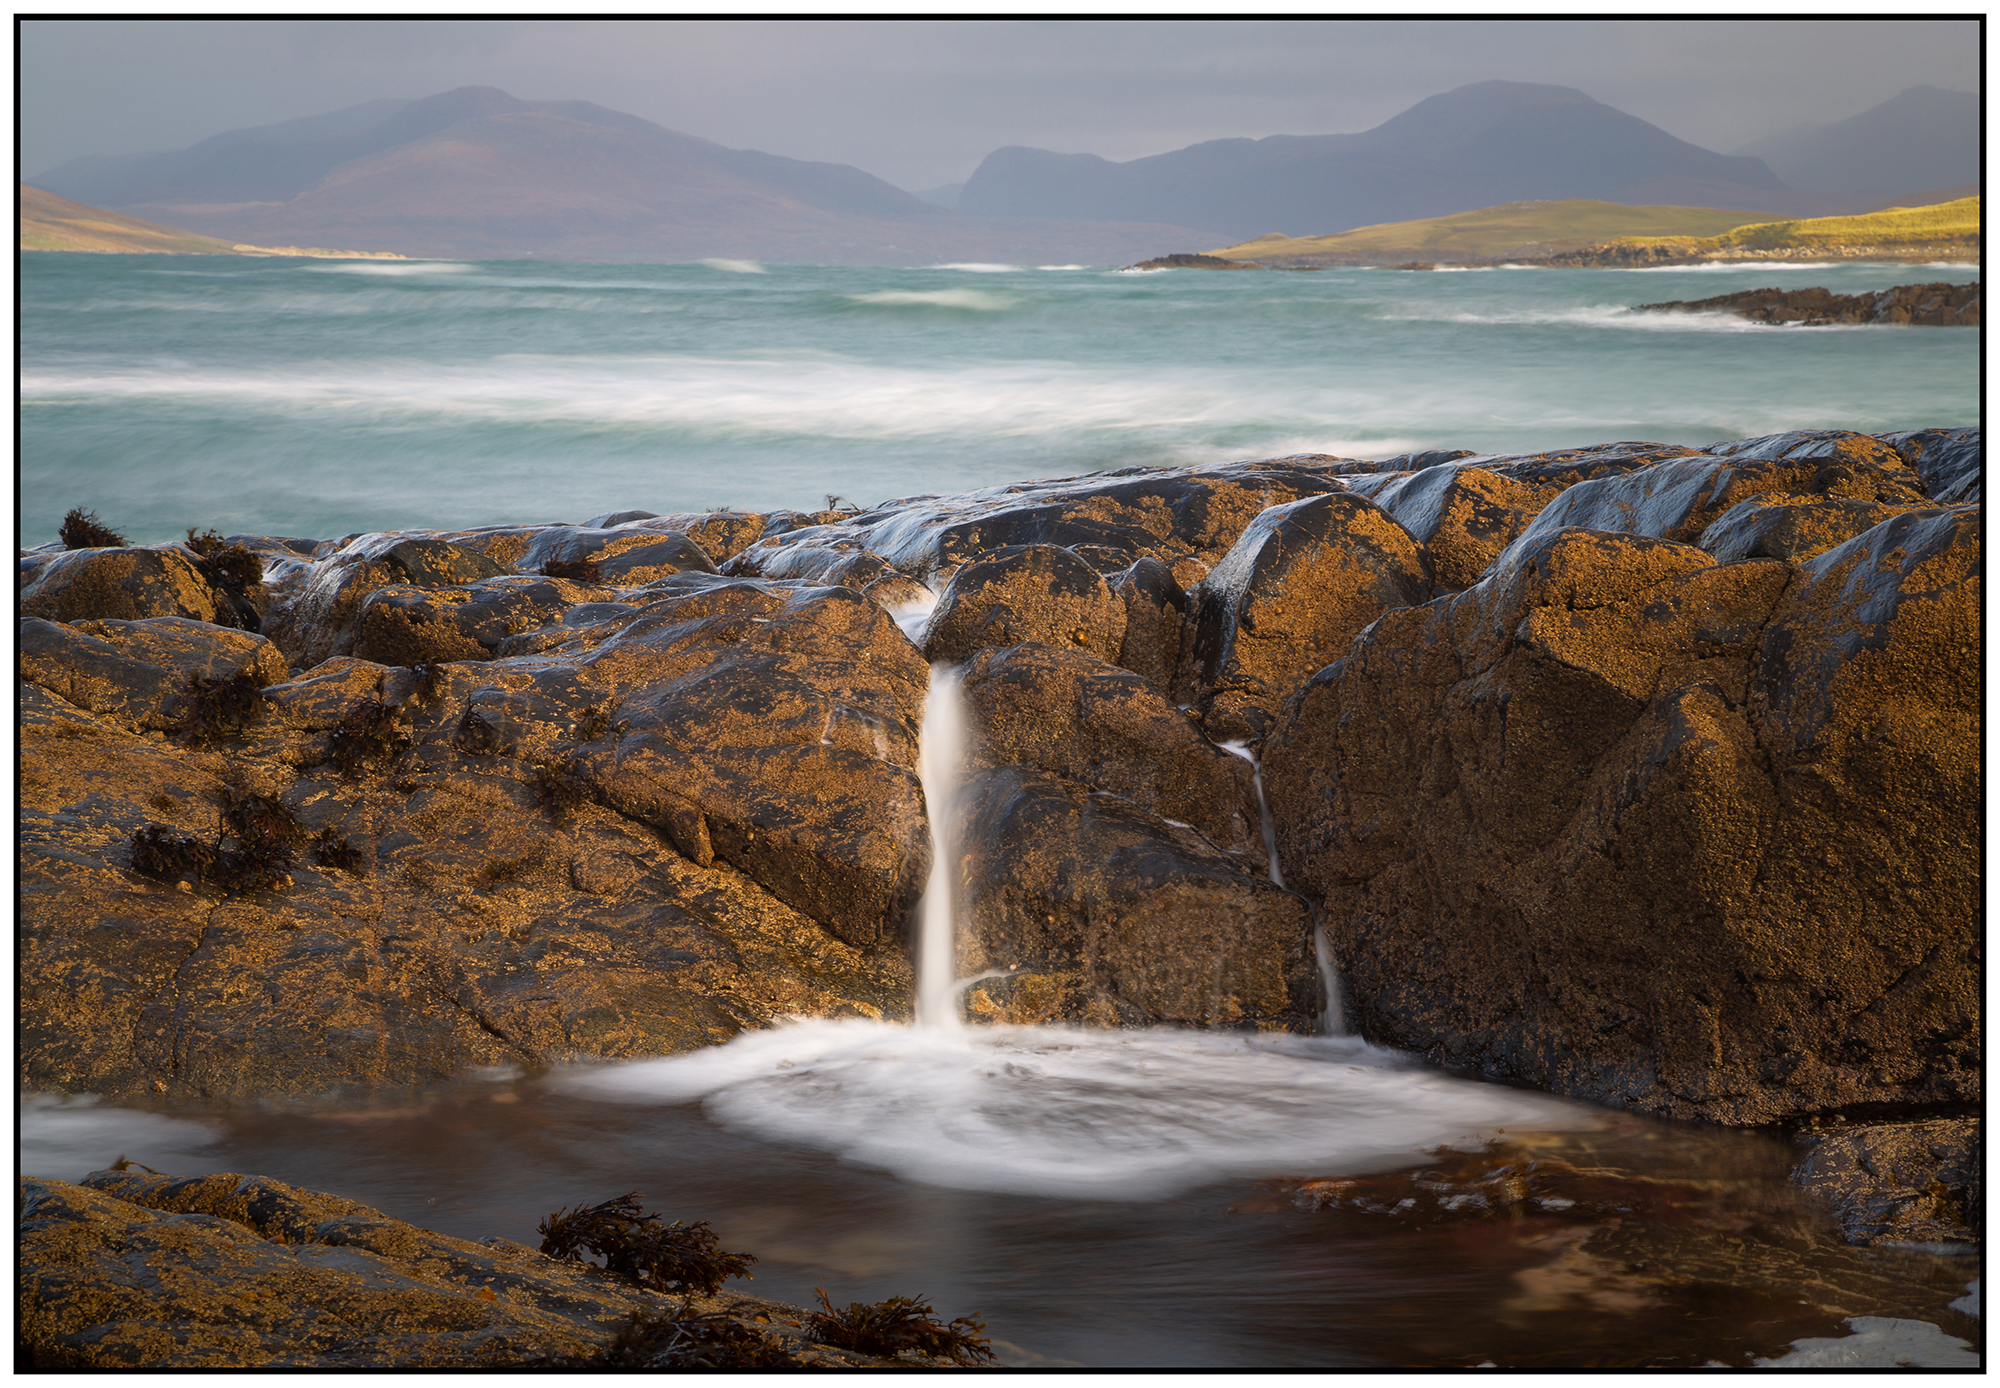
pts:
[1626, 824]
[130, 1271]
[404, 625]
[1790, 527]
[1069, 714]
[120, 584]
[136, 673]
[1897, 1183]
[1932, 305]
[1948, 460]
[1155, 611]
[1025, 593]
[1288, 597]
[316, 613]
[1462, 516]
[1680, 498]
[1102, 915]
[620, 557]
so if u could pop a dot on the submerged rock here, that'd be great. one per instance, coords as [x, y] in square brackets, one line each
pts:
[1898, 1183]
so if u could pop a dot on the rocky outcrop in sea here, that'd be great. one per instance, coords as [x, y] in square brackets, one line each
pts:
[1925, 305]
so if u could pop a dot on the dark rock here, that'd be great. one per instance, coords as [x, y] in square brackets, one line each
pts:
[1463, 516]
[402, 625]
[136, 673]
[316, 611]
[1793, 528]
[1623, 823]
[1950, 461]
[1302, 581]
[1072, 715]
[1898, 1183]
[1026, 593]
[1932, 305]
[1155, 611]
[1102, 915]
[620, 557]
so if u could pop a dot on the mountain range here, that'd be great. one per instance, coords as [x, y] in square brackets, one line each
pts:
[1922, 137]
[478, 173]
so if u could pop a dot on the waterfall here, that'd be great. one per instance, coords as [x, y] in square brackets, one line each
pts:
[942, 752]
[1329, 972]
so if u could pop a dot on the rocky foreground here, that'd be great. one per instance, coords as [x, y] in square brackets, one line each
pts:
[1638, 773]
[1924, 305]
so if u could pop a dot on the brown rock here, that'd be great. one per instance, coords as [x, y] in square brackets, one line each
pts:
[120, 584]
[1104, 915]
[1794, 528]
[1155, 611]
[1463, 516]
[622, 557]
[1025, 593]
[136, 673]
[316, 612]
[1898, 1183]
[404, 625]
[1625, 824]
[1288, 597]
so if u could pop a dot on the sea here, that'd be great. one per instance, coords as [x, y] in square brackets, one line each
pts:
[319, 398]
[1124, 1200]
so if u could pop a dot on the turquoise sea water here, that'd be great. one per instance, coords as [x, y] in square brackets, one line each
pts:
[317, 398]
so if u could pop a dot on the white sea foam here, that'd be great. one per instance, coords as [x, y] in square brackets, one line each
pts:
[1730, 267]
[735, 267]
[1122, 1115]
[1880, 1342]
[64, 1137]
[980, 267]
[1606, 316]
[1062, 267]
[977, 300]
[392, 269]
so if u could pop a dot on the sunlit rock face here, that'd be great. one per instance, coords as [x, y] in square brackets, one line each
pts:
[1630, 824]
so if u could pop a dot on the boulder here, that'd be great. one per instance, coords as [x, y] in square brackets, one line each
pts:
[1155, 612]
[1463, 516]
[316, 611]
[1623, 823]
[137, 673]
[1794, 528]
[1098, 913]
[141, 1271]
[1025, 593]
[120, 584]
[1299, 584]
[404, 625]
[1948, 460]
[624, 558]
[1897, 1183]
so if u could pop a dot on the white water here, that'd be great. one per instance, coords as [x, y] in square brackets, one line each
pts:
[943, 757]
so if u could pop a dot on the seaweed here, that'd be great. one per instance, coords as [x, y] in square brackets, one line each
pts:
[226, 566]
[678, 1340]
[594, 723]
[168, 855]
[259, 821]
[675, 1257]
[367, 733]
[900, 1324]
[80, 530]
[431, 678]
[558, 789]
[575, 570]
[476, 735]
[331, 850]
[220, 707]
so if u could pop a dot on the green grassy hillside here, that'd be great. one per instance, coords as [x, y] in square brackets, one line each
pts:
[1490, 232]
[50, 223]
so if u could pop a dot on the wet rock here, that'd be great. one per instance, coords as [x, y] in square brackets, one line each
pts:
[618, 557]
[1074, 716]
[1791, 527]
[1187, 518]
[1155, 611]
[136, 673]
[119, 584]
[1463, 516]
[316, 612]
[1025, 593]
[1101, 914]
[1679, 499]
[1897, 1183]
[130, 1271]
[1623, 823]
[1931, 305]
[1290, 595]
[1949, 461]
[405, 625]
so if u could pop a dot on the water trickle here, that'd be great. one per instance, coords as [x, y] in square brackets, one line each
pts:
[942, 749]
[1329, 973]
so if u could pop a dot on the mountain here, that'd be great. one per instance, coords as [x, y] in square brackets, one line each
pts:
[50, 223]
[478, 173]
[1476, 146]
[1921, 137]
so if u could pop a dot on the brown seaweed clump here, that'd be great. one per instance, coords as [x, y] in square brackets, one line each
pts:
[80, 530]
[214, 708]
[224, 565]
[332, 851]
[675, 1257]
[171, 856]
[367, 733]
[898, 1325]
[575, 570]
[713, 1340]
[558, 789]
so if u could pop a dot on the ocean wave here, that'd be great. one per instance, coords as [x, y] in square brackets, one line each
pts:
[1062, 267]
[65, 1137]
[1084, 1114]
[1614, 318]
[735, 267]
[392, 269]
[1733, 267]
[980, 267]
[973, 300]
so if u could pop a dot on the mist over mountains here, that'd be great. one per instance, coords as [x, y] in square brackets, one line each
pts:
[479, 173]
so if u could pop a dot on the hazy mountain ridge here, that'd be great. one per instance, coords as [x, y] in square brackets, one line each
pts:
[1922, 136]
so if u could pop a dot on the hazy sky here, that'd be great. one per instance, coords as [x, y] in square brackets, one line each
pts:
[920, 103]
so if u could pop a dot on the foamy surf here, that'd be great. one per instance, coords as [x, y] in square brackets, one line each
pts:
[392, 269]
[65, 1137]
[735, 267]
[977, 300]
[1114, 1115]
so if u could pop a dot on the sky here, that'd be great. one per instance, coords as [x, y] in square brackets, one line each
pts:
[920, 102]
